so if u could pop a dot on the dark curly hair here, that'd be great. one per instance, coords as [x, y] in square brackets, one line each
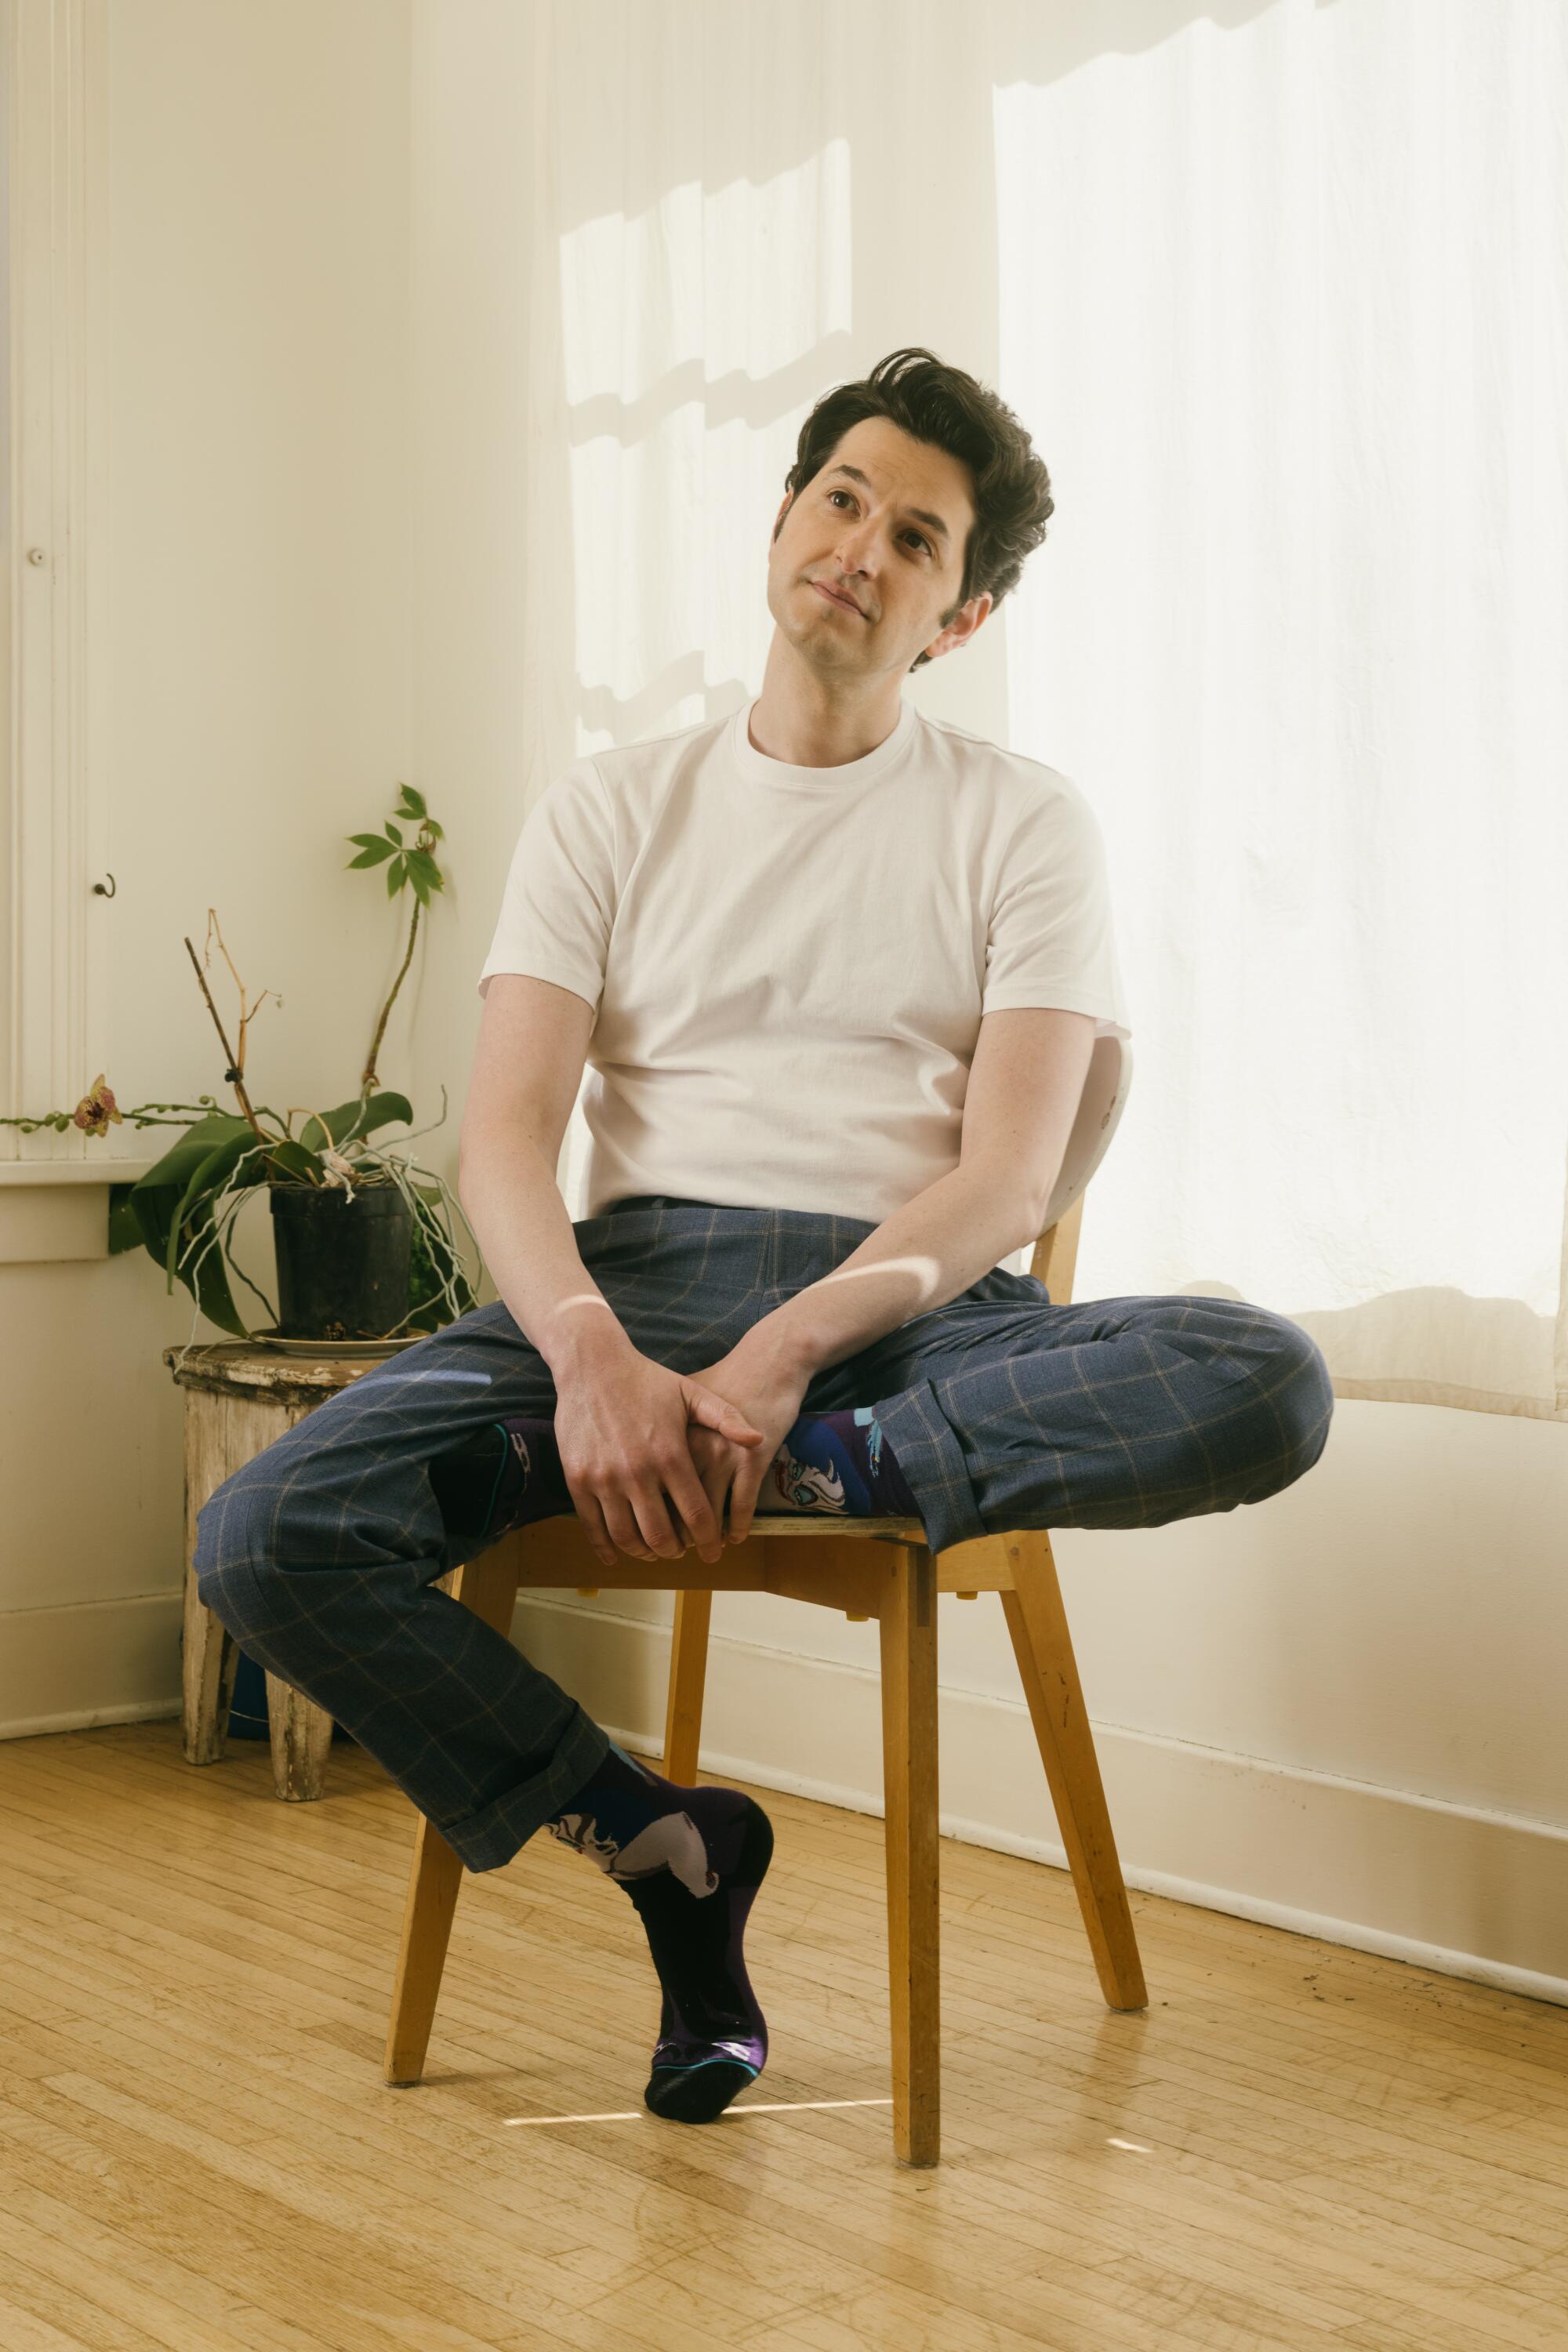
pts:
[941, 404]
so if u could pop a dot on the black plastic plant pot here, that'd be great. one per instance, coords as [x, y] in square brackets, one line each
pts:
[343, 1263]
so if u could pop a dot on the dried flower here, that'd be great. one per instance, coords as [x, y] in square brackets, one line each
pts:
[96, 1109]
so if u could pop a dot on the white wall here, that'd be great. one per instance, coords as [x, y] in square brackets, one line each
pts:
[1340, 1709]
[253, 682]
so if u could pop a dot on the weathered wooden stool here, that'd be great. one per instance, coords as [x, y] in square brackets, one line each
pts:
[238, 1397]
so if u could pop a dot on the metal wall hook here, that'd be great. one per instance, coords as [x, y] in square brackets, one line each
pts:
[102, 892]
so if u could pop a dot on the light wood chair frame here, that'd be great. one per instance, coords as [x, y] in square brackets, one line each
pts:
[878, 1568]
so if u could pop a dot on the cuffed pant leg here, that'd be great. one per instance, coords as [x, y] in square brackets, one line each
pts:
[483, 1741]
[930, 1453]
[1122, 1412]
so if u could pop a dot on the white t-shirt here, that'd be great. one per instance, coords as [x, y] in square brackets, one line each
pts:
[790, 964]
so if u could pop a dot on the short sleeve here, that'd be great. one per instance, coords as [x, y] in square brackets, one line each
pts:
[559, 902]
[1051, 938]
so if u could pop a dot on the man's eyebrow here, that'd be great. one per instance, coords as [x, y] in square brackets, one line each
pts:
[921, 514]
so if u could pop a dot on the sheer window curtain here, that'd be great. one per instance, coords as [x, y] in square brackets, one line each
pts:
[1285, 301]
[1282, 299]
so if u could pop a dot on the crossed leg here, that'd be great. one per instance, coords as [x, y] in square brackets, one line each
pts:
[1002, 1411]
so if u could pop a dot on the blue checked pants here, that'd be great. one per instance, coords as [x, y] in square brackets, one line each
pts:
[1003, 1411]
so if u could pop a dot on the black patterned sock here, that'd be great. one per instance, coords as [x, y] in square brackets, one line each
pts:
[506, 1475]
[692, 1860]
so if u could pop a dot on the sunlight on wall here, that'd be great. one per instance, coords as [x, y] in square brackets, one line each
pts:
[668, 318]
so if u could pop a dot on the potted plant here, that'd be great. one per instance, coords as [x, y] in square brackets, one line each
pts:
[364, 1250]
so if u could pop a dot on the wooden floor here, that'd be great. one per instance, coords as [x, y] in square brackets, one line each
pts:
[1295, 2145]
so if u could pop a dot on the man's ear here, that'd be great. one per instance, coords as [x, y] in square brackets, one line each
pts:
[979, 606]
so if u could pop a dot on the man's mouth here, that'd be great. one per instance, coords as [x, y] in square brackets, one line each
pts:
[846, 602]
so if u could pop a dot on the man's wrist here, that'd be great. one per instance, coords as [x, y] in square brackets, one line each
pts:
[783, 1342]
[583, 1334]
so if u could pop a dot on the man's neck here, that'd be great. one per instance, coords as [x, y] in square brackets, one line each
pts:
[807, 732]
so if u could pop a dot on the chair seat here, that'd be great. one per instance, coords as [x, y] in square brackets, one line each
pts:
[834, 1523]
[806, 1555]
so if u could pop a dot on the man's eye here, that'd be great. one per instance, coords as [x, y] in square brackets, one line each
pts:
[917, 536]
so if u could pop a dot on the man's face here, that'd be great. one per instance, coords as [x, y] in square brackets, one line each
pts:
[892, 542]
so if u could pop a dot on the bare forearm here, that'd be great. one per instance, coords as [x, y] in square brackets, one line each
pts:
[512, 1202]
[926, 1253]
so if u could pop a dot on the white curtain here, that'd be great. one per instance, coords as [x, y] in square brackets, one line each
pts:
[1282, 299]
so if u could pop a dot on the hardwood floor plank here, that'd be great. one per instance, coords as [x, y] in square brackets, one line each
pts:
[176, 2307]
[70, 2315]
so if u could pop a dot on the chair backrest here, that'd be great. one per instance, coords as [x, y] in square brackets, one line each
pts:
[1099, 1110]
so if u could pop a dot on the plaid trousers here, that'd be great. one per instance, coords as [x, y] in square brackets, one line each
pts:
[1003, 1411]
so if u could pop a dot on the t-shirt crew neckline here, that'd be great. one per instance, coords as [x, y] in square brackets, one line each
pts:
[758, 768]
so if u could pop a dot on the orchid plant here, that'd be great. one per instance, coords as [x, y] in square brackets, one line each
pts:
[182, 1209]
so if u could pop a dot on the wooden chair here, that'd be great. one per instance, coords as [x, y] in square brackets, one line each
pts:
[869, 1567]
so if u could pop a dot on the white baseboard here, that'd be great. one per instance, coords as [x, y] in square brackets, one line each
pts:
[1466, 1892]
[1447, 1887]
[121, 1657]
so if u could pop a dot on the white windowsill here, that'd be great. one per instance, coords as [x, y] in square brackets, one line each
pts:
[76, 1172]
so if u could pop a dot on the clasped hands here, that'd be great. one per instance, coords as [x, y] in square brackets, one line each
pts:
[651, 1457]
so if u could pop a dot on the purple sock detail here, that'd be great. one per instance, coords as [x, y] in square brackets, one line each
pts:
[506, 1476]
[692, 1860]
[838, 1462]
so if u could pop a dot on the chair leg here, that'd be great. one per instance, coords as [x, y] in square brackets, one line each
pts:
[688, 1676]
[433, 1886]
[1043, 1647]
[910, 1801]
[488, 1585]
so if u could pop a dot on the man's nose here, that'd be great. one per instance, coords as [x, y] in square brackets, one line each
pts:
[858, 549]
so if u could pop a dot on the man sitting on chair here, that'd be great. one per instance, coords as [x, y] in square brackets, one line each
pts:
[836, 972]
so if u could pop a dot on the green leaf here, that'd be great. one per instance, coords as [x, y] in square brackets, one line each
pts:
[173, 1203]
[125, 1232]
[393, 833]
[173, 1171]
[361, 1117]
[226, 1243]
[207, 1178]
[295, 1159]
[145, 1212]
[252, 1172]
[420, 862]
[210, 1289]
[374, 850]
[396, 876]
[416, 801]
[435, 831]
